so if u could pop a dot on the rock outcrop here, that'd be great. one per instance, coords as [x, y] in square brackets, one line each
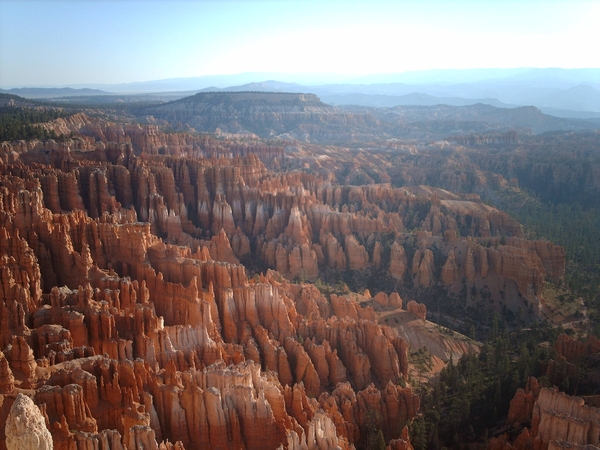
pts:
[26, 427]
[418, 309]
[556, 418]
[398, 262]
[521, 405]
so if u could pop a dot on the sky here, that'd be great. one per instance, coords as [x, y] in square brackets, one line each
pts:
[61, 43]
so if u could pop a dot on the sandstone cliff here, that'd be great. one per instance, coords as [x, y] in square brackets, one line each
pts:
[556, 419]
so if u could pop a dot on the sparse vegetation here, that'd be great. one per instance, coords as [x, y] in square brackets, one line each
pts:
[421, 359]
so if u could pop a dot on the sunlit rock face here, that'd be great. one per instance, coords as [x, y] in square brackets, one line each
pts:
[26, 427]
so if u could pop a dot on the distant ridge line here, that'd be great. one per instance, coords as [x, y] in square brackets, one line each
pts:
[223, 92]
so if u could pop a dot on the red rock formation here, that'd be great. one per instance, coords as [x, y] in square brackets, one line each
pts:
[120, 279]
[559, 417]
[187, 196]
[357, 256]
[555, 417]
[67, 404]
[395, 300]
[7, 380]
[418, 309]
[22, 359]
[377, 253]
[573, 350]
[521, 405]
[450, 269]
[382, 298]
[422, 268]
[121, 322]
[403, 443]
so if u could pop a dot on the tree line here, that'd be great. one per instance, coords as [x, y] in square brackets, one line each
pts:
[19, 123]
[470, 397]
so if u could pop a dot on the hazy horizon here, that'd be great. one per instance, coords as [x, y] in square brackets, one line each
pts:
[424, 77]
[68, 43]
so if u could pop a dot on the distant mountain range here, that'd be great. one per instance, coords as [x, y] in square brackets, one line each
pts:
[33, 92]
[556, 98]
[572, 93]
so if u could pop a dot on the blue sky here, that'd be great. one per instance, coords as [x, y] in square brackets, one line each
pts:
[76, 42]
